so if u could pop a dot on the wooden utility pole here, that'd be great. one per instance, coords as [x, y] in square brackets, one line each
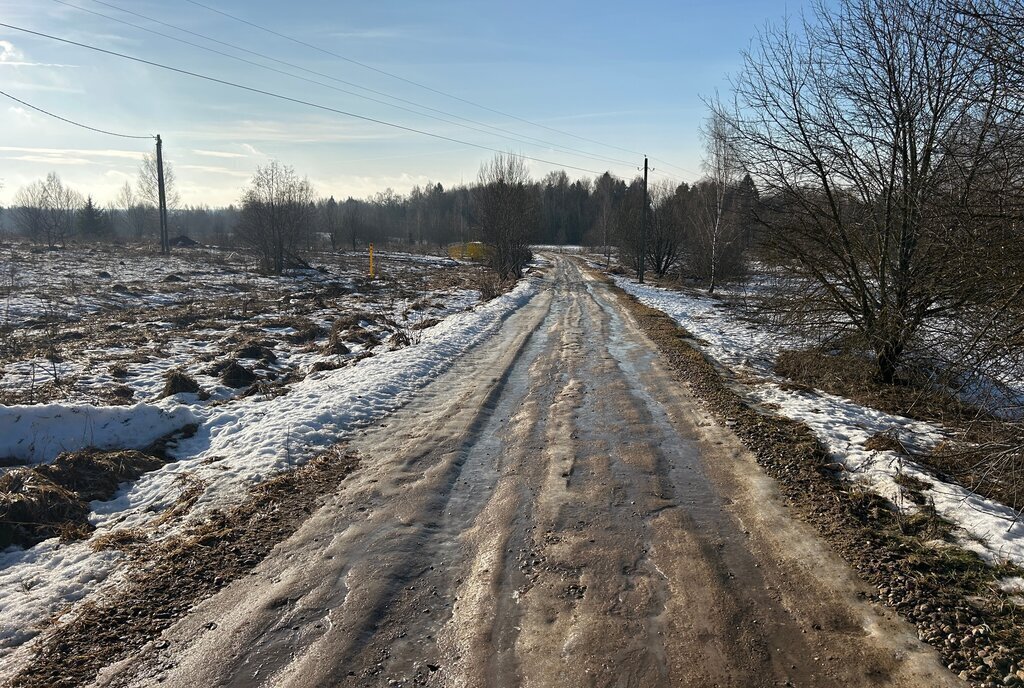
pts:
[165, 240]
[643, 228]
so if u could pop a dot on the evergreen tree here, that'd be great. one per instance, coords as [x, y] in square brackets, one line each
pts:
[93, 223]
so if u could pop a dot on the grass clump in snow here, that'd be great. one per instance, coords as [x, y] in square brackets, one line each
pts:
[885, 441]
[177, 381]
[236, 375]
[52, 500]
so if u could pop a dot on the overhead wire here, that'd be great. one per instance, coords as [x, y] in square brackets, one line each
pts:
[406, 80]
[501, 131]
[278, 96]
[71, 121]
[526, 140]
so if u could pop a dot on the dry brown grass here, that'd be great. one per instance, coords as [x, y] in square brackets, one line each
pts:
[178, 381]
[52, 500]
[852, 375]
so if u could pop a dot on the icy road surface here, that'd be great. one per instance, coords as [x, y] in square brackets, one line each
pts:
[552, 511]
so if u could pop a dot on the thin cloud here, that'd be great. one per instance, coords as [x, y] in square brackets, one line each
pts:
[218, 154]
[212, 169]
[11, 56]
[51, 159]
[54, 65]
[8, 53]
[21, 113]
[74, 152]
[370, 34]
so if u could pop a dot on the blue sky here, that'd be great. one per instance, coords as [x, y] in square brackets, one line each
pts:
[625, 74]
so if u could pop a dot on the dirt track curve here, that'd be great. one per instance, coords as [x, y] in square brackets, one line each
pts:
[554, 511]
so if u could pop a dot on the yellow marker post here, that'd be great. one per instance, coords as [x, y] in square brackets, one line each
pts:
[371, 262]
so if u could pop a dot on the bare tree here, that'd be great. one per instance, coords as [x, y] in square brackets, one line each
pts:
[47, 209]
[628, 218]
[865, 131]
[277, 214]
[133, 212]
[665, 234]
[716, 228]
[506, 212]
[331, 220]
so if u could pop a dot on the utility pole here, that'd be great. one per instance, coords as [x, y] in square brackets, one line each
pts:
[165, 240]
[643, 228]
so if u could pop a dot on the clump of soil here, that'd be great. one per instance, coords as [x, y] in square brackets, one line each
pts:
[351, 321]
[118, 394]
[179, 382]
[321, 366]
[399, 339]
[362, 336]
[236, 375]
[335, 347]
[305, 333]
[257, 351]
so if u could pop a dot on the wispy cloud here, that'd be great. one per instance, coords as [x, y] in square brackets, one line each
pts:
[51, 159]
[213, 169]
[301, 131]
[8, 53]
[87, 154]
[11, 56]
[54, 65]
[370, 34]
[21, 113]
[218, 154]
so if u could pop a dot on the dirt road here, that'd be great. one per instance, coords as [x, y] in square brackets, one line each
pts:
[554, 511]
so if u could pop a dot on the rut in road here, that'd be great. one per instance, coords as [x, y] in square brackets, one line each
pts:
[555, 510]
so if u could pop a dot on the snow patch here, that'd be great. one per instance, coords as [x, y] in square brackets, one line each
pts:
[33, 434]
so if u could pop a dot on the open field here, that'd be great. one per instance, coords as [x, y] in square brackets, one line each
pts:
[104, 326]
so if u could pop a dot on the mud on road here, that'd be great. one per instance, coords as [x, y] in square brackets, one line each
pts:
[552, 511]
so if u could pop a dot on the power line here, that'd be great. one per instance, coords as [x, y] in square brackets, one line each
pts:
[69, 121]
[677, 167]
[298, 101]
[408, 81]
[501, 132]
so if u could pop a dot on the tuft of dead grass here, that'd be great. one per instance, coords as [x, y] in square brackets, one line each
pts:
[177, 381]
[885, 441]
[52, 500]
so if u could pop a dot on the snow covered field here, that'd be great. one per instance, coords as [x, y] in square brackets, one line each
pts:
[103, 326]
[749, 349]
[312, 393]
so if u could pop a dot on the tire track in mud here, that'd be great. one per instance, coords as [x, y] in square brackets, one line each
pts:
[552, 511]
